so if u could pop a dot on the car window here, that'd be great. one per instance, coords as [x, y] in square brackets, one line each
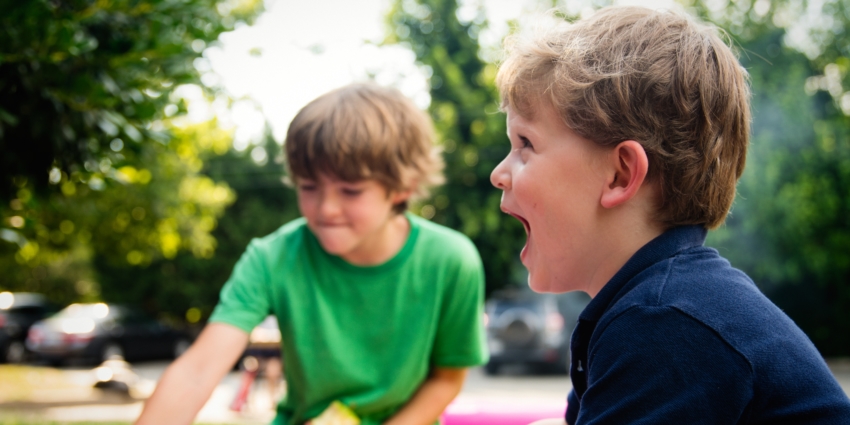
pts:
[28, 312]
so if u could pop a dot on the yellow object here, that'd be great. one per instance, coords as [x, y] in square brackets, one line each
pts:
[336, 414]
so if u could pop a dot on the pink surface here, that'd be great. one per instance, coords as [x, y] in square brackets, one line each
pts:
[520, 412]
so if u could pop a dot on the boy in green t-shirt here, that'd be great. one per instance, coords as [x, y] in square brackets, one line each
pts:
[378, 309]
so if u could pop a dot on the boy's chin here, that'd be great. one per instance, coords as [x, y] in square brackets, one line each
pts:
[542, 286]
[334, 247]
[337, 251]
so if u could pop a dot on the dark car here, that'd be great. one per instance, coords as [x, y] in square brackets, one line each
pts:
[97, 332]
[18, 311]
[524, 327]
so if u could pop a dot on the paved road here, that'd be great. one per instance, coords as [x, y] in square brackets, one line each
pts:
[509, 388]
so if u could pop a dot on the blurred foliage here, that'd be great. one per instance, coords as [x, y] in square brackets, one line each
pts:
[465, 109]
[100, 167]
[124, 217]
[790, 227]
[186, 286]
[80, 77]
[149, 222]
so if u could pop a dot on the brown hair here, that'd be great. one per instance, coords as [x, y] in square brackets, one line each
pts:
[365, 131]
[631, 73]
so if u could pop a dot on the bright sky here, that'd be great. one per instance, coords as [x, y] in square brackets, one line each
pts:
[298, 50]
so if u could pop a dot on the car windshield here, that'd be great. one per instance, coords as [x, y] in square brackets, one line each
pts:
[85, 311]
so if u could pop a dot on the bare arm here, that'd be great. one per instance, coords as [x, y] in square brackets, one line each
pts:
[431, 398]
[188, 383]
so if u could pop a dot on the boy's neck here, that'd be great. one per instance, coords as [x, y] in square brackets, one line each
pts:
[386, 243]
[623, 236]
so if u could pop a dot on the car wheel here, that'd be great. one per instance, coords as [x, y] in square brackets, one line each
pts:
[111, 350]
[15, 353]
[180, 347]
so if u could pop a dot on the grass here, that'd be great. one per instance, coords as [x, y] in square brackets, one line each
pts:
[22, 421]
[30, 421]
[22, 382]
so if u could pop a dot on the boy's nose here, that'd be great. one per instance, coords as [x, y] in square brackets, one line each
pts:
[328, 206]
[501, 177]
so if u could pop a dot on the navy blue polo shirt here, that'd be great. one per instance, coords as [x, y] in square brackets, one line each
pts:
[678, 336]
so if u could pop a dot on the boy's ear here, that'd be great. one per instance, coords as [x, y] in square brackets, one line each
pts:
[628, 168]
[398, 197]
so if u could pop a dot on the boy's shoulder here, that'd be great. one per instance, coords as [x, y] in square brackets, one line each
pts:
[683, 304]
[700, 283]
[676, 273]
[699, 286]
[285, 237]
[441, 240]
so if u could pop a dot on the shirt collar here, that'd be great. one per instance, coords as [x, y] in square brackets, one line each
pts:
[662, 247]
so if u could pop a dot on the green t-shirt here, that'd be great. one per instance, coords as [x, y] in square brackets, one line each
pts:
[366, 336]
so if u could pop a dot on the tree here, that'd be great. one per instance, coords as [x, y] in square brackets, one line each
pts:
[98, 166]
[789, 228]
[186, 286]
[127, 217]
[465, 109]
[81, 81]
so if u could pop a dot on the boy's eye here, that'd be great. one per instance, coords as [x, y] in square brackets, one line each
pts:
[525, 142]
[306, 187]
[351, 192]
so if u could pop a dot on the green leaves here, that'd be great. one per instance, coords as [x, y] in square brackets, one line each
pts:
[97, 170]
[464, 106]
[789, 228]
[131, 214]
[76, 75]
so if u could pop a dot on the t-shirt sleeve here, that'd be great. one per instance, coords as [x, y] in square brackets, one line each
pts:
[658, 365]
[460, 339]
[245, 300]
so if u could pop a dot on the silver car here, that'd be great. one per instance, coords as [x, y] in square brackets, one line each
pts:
[524, 327]
[97, 332]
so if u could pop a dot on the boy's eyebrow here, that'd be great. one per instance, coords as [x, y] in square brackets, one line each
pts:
[351, 183]
[523, 130]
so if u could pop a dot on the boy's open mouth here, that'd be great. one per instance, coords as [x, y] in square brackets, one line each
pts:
[524, 223]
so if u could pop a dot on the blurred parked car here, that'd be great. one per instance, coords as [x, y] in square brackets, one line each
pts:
[98, 332]
[18, 311]
[524, 327]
